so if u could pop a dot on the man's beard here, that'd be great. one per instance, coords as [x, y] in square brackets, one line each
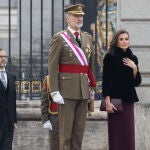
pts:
[78, 25]
[3, 65]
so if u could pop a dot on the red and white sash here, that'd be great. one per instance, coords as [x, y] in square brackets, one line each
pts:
[77, 50]
[82, 59]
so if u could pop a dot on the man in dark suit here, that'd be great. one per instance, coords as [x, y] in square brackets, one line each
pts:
[8, 118]
[70, 66]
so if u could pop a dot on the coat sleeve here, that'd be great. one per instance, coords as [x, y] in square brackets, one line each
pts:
[91, 61]
[107, 78]
[53, 61]
[138, 78]
[44, 102]
[15, 115]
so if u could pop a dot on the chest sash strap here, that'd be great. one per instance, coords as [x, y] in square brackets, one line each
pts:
[77, 50]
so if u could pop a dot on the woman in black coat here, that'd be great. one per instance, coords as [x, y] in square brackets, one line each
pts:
[120, 76]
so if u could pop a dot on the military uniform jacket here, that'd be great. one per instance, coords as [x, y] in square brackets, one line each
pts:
[46, 101]
[70, 85]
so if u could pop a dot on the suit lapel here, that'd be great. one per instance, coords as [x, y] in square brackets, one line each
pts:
[71, 37]
[2, 86]
[8, 80]
[82, 40]
[85, 46]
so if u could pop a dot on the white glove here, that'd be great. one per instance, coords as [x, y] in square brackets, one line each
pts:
[57, 98]
[47, 125]
[92, 94]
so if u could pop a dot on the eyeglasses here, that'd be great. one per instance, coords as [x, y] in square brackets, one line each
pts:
[4, 56]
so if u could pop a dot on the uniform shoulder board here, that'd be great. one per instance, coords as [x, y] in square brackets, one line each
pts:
[58, 33]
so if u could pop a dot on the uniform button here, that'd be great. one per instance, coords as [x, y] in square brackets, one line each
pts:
[81, 73]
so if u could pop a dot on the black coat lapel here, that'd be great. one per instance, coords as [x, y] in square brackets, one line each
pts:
[1, 85]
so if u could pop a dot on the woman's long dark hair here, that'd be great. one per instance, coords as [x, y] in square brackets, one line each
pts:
[113, 43]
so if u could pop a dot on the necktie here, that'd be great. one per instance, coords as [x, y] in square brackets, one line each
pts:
[77, 38]
[3, 79]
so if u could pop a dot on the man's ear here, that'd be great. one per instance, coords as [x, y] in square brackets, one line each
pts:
[67, 19]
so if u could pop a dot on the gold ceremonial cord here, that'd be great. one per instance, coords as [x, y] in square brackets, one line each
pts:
[49, 96]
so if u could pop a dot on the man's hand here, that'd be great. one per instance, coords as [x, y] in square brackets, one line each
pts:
[15, 126]
[57, 98]
[47, 125]
[92, 94]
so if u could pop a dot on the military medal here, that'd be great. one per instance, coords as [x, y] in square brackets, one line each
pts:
[88, 50]
[70, 53]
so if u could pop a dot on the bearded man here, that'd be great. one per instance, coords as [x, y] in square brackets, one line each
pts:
[70, 66]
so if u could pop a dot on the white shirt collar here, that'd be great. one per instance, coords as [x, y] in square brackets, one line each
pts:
[3, 70]
[73, 31]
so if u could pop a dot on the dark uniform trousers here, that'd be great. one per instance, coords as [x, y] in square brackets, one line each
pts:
[54, 134]
[7, 136]
[72, 118]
